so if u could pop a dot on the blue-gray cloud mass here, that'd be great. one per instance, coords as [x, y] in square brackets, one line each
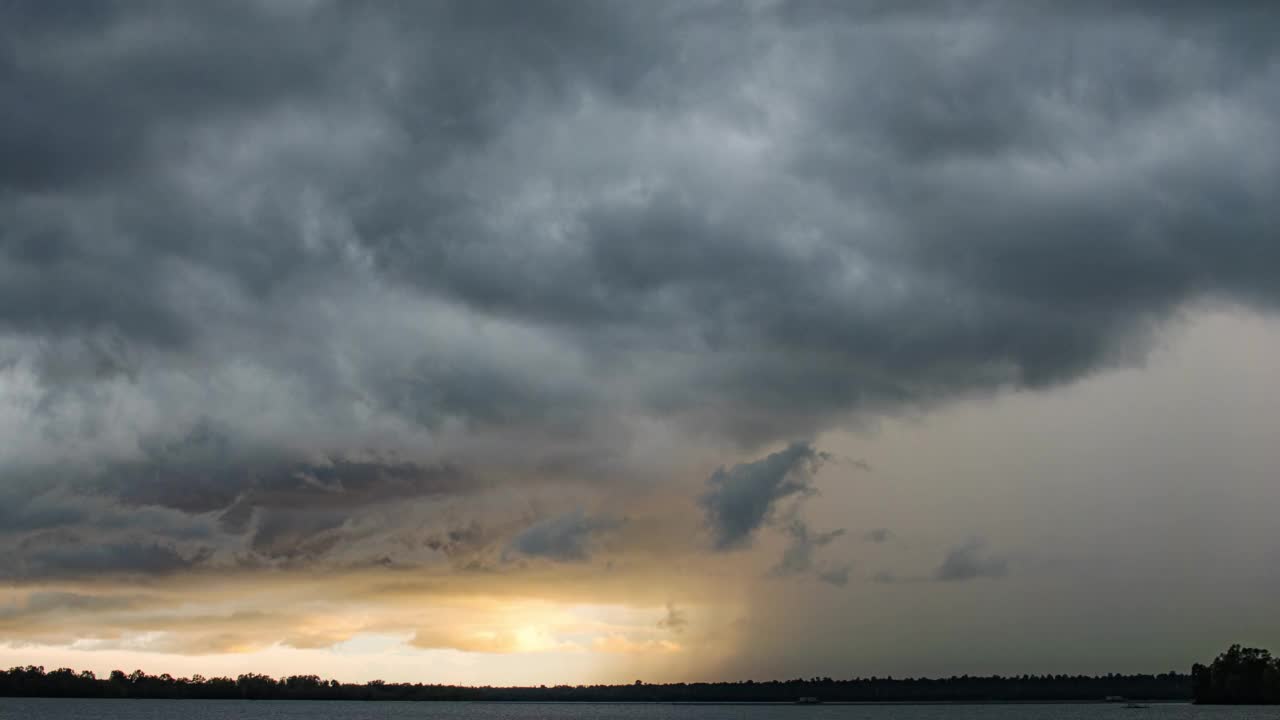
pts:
[267, 266]
[740, 499]
[567, 537]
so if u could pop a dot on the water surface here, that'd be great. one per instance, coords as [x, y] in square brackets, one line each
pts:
[51, 709]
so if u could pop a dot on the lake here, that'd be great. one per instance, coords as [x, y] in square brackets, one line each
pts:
[75, 709]
[50, 709]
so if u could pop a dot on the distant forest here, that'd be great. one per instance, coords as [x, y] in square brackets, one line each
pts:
[34, 681]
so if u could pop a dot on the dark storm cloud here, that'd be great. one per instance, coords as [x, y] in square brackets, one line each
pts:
[57, 560]
[93, 89]
[47, 510]
[32, 510]
[740, 499]
[59, 533]
[566, 538]
[969, 561]
[107, 104]
[209, 469]
[501, 236]
[204, 492]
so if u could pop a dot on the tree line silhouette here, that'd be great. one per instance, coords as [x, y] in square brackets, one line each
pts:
[34, 681]
[1239, 676]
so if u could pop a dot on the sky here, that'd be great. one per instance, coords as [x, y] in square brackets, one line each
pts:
[566, 342]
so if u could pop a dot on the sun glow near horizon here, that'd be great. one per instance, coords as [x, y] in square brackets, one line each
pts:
[479, 641]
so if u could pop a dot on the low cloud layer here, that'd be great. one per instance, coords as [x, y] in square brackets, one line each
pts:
[566, 538]
[878, 535]
[969, 561]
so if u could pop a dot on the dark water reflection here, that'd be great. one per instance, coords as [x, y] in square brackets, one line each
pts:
[45, 709]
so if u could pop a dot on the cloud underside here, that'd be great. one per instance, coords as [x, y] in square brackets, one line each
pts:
[462, 285]
[969, 561]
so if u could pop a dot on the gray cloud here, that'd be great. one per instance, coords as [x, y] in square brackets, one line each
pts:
[419, 249]
[675, 620]
[566, 538]
[836, 576]
[45, 560]
[878, 535]
[970, 561]
[52, 602]
[47, 510]
[211, 469]
[798, 555]
[740, 499]
[206, 500]
[460, 542]
[59, 520]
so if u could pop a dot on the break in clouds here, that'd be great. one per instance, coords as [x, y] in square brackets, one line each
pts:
[492, 286]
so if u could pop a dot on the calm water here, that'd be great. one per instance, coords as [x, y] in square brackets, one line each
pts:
[40, 709]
